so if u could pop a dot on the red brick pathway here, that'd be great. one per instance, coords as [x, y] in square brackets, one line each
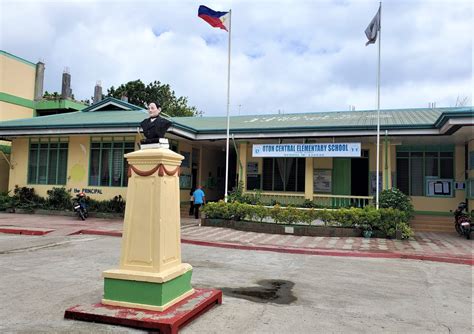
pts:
[424, 244]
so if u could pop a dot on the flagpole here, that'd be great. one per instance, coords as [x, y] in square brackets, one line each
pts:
[378, 113]
[228, 116]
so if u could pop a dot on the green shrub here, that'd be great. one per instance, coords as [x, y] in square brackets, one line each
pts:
[237, 195]
[218, 210]
[387, 220]
[308, 216]
[308, 204]
[26, 198]
[390, 220]
[405, 230]
[259, 213]
[6, 201]
[394, 198]
[327, 217]
[114, 205]
[276, 213]
[238, 211]
[291, 215]
[369, 219]
[58, 199]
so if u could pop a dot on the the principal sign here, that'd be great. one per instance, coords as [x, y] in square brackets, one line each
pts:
[306, 150]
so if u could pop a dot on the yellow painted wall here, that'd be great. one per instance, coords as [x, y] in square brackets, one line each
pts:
[10, 111]
[259, 161]
[17, 78]
[19, 162]
[322, 163]
[77, 169]
[211, 159]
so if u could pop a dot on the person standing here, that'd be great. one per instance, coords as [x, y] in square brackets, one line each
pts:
[199, 200]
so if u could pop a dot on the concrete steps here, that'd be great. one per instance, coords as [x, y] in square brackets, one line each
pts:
[427, 223]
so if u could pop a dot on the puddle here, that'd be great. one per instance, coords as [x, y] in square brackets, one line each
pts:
[268, 291]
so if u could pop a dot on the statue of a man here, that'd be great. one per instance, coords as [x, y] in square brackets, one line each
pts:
[155, 126]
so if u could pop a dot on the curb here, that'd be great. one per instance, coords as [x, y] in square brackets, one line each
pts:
[322, 252]
[306, 251]
[111, 233]
[24, 231]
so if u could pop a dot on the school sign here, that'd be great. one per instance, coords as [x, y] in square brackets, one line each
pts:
[306, 150]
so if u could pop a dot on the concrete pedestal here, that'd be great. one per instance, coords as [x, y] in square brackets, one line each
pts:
[151, 275]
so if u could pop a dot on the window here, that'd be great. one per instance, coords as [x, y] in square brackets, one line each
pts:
[108, 167]
[416, 164]
[47, 162]
[470, 188]
[283, 174]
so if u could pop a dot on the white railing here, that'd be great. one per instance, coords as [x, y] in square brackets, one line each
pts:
[320, 200]
[270, 198]
[341, 201]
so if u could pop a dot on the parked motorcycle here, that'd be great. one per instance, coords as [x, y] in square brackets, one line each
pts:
[462, 221]
[79, 205]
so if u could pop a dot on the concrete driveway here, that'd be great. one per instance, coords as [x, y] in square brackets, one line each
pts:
[264, 292]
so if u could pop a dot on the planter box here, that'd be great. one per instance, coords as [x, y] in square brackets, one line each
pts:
[300, 230]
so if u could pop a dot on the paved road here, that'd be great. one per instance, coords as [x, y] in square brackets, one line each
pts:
[42, 276]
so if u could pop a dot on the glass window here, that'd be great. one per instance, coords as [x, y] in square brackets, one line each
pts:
[108, 167]
[414, 166]
[283, 174]
[47, 162]
[431, 164]
[403, 175]
[416, 171]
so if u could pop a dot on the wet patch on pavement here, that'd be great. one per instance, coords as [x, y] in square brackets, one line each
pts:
[268, 291]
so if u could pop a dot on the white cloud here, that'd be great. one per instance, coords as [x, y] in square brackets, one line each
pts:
[295, 57]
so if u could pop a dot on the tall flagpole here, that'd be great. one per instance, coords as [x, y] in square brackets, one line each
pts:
[228, 116]
[377, 178]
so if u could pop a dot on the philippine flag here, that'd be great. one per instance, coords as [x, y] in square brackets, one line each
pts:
[215, 19]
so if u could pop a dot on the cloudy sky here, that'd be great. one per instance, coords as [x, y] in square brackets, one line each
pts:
[287, 56]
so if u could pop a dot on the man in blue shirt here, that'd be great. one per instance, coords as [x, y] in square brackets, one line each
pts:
[199, 199]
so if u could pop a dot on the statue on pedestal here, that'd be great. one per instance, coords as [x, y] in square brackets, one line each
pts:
[155, 126]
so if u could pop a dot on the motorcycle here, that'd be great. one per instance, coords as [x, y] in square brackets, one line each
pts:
[462, 221]
[79, 205]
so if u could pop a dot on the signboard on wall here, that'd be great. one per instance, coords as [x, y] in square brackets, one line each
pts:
[306, 150]
[252, 167]
[439, 187]
[322, 180]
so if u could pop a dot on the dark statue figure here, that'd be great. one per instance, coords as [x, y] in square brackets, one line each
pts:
[155, 126]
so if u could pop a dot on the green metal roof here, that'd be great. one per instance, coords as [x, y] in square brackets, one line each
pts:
[59, 104]
[422, 118]
[111, 100]
[80, 119]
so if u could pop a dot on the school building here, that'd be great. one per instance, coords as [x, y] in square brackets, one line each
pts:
[21, 96]
[325, 157]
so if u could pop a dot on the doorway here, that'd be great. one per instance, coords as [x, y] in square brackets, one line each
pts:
[360, 176]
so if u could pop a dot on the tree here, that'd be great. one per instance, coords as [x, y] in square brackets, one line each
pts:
[140, 94]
